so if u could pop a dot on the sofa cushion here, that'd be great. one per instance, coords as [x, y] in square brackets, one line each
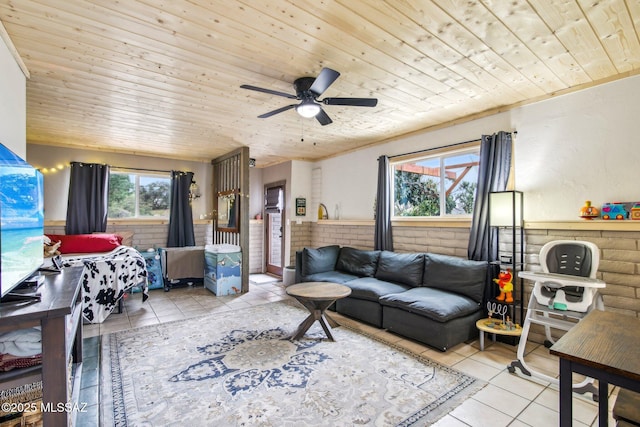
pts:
[401, 268]
[357, 262]
[329, 276]
[371, 289]
[432, 303]
[319, 260]
[455, 274]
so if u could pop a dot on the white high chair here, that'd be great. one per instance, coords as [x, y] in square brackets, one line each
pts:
[563, 293]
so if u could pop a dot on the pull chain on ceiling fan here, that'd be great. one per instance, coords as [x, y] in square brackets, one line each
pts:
[308, 89]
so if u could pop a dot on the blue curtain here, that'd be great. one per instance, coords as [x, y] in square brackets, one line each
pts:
[88, 198]
[493, 174]
[383, 236]
[180, 215]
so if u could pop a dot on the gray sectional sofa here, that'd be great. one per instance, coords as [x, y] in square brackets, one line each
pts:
[435, 299]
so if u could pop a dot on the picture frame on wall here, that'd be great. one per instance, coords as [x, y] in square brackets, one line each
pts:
[301, 206]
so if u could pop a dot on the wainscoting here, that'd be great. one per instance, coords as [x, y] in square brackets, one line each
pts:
[151, 234]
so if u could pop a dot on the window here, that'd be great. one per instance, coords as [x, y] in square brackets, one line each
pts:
[437, 185]
[139, 195]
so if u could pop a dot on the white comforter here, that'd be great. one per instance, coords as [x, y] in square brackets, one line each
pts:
[22, 342]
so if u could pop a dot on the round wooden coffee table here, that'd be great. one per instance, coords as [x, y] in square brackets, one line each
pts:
[317, 297]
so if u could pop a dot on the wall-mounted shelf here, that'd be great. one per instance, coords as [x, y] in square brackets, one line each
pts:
[405, 222]
[585, 225]
[346, 222]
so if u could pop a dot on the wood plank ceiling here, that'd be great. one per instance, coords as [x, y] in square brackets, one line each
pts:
[162, 77]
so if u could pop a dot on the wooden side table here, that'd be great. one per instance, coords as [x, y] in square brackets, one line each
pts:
[317, 297]
[495, 327]
[59, 314]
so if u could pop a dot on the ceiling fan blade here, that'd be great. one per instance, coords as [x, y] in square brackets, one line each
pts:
[356, 102]
[274, 112]
[323, 118]
[326, 77]
[269, 91]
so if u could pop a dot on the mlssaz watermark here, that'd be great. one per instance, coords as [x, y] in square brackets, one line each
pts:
[43, 407]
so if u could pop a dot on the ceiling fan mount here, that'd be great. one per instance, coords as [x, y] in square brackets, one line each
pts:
[308, 89]
[303, 84]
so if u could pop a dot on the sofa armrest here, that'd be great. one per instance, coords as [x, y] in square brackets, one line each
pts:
[298, 278]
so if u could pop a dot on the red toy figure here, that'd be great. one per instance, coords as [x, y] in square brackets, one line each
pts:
[506, 286]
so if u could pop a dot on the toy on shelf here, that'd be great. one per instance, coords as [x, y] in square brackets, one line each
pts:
[495, 308]
[588, 211]
[635, 211]
[614, 210]
[505, 283]
[504, 323]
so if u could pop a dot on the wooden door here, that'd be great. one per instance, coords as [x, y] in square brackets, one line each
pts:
[274, 228]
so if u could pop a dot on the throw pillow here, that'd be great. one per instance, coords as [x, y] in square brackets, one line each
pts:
[85, 243]
[126, 237]
[459, 275]
[319, 260]
[358, 262]
[400, 268]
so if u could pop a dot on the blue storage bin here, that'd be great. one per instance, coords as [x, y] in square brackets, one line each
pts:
[154, 270]
[223, 269]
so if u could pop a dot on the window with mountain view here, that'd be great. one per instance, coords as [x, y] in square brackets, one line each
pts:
[436, 186]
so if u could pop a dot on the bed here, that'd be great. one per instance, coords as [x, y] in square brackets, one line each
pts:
[110, 270]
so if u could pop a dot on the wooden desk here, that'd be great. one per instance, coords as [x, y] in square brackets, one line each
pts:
[603, 346]
[317, 297]
[58, 313]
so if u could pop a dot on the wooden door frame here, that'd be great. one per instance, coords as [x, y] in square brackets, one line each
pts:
[283, 219]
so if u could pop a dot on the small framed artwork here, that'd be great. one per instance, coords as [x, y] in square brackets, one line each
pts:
[301, 206]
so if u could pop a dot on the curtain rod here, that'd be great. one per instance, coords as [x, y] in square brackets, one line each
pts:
[141, 169]
[515, 132]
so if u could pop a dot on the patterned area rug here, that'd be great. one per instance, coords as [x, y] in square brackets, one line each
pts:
[240, 368]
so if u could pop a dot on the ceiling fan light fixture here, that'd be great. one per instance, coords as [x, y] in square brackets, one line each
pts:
[308, 109]
[308, 90]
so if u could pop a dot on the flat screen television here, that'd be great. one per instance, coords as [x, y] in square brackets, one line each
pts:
[21, 220]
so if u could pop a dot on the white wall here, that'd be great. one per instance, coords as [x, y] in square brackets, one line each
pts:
[56, 184]
[256, 192]
[350, 181]
[576, 147]
[301, 187]
[13, 103]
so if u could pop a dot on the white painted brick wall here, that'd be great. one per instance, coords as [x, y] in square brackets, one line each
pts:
[619, 254]
[147, 236]
[256, 247]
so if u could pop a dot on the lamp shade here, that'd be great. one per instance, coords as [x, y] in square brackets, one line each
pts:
[505, 209]
[308, 109]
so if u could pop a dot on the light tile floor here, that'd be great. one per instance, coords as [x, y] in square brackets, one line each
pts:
[507, 400]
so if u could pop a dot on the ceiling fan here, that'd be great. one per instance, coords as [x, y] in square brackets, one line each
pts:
[308, 89]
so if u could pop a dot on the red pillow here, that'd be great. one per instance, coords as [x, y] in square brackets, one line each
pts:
[85, 243]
